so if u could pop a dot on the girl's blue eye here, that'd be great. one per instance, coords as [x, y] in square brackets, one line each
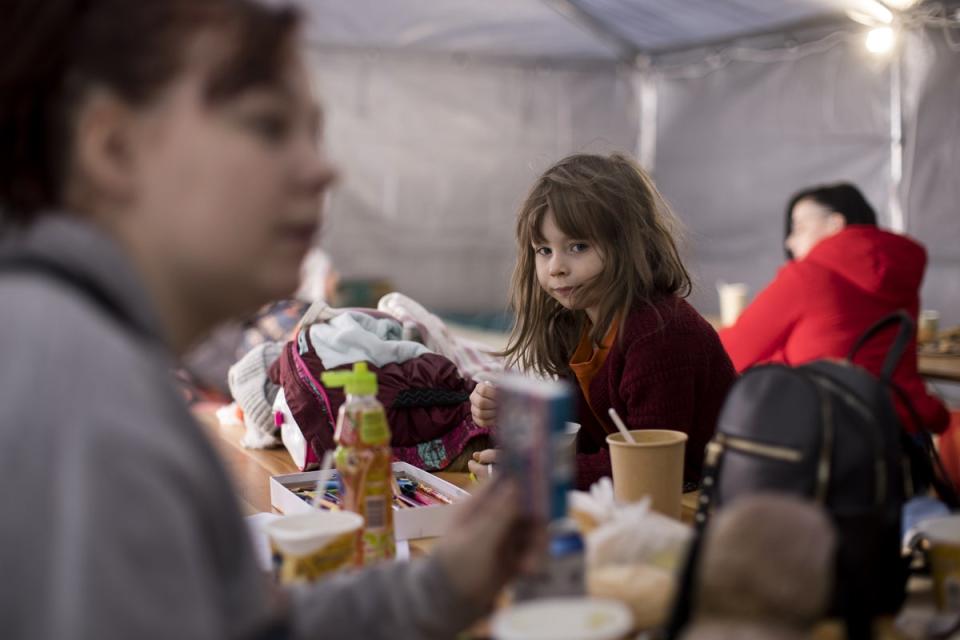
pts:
[542, 251]
[579, 247]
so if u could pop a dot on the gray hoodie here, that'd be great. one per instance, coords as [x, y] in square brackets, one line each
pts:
[119, 520]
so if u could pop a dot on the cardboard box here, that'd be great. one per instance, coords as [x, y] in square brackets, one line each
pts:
[532, 417]
[420, 522]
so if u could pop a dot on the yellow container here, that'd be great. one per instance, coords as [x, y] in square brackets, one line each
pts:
[310, 546]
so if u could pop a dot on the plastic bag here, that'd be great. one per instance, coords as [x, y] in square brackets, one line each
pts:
[628, 534]
[633, 553]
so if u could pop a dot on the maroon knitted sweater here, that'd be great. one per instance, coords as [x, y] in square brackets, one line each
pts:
[667, 370]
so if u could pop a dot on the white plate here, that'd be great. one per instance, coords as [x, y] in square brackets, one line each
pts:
[564, 619]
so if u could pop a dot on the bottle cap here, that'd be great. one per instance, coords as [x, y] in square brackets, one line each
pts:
[359, 382]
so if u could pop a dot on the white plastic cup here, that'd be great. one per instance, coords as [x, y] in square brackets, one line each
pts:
[567, 442]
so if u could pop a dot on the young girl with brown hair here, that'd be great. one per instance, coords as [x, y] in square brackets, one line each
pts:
[598, 293]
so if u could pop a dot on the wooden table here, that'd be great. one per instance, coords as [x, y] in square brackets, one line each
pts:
[251, 469]
[939, 367]
[933, 367]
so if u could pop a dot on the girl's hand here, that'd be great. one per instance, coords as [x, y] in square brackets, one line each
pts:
[483, 404]
[482, 464]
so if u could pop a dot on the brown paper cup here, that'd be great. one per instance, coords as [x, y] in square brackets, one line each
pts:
[651, 467]
[943, 536]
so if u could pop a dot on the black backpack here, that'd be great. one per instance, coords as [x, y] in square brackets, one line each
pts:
[826, 430]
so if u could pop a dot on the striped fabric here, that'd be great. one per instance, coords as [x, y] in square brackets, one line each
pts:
[474, 360]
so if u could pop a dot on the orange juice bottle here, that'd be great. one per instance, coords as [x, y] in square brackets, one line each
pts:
[363, 459]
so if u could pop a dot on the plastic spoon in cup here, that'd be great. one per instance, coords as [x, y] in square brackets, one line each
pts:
[622, 427]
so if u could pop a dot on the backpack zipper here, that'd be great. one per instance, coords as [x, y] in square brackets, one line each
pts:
[310, 382]
[880, 463]
[775, 452]
[826, 448]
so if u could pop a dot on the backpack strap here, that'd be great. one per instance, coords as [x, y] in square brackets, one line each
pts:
[926, 467]
[683, 602]
[87, 286]
[711, 469]
[277, 629]
[900, 343]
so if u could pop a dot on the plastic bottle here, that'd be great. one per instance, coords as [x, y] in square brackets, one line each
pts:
[562, 570]
[363, 459]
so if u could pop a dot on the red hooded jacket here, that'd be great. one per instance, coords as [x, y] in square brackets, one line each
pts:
[818, 306]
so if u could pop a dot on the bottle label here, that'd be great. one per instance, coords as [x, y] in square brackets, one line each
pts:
[376, 511]
[378, 545]
[373, 427]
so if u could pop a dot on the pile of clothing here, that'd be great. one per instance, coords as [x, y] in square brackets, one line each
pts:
[425, 376]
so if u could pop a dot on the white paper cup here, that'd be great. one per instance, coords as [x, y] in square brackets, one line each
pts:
[309, 546]
[928, 326]
[564, 619]
[733, 300]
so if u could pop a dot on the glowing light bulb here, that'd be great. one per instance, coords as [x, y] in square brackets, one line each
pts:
[880, 40]
[901, 5]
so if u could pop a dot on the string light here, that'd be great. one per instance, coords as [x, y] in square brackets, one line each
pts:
[900, 5]
[929, 14]
[880, 40]
[869, 19]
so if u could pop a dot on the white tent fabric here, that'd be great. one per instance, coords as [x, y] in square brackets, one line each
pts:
[442, 113]
[437, 157]
[931, 186]
[734, 144]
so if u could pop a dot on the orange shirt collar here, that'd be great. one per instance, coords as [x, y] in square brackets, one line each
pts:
[584, 353]
[585, 362]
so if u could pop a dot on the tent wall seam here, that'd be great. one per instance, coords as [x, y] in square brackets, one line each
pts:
[898, 220]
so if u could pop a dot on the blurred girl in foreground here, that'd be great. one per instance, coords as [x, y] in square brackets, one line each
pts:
[160, 173]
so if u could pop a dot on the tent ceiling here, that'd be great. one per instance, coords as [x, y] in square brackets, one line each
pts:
[568, 29]
[510, 28]
[654, 25]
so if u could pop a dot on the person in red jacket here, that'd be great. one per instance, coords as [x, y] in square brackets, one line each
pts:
[845, 273]
[598, 291]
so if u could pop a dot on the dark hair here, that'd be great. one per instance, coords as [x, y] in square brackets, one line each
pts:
[55, 51]
[840, 197]
[610, 201]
